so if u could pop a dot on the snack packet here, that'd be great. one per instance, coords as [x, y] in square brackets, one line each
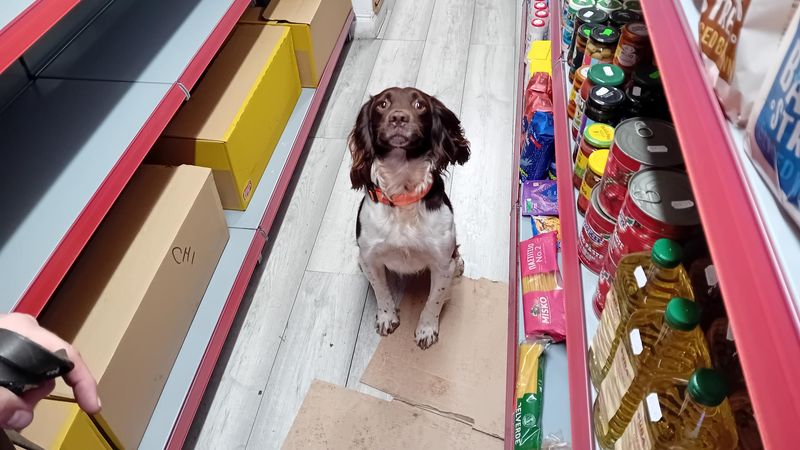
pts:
[538, 263]
[537, 148]
[739, 41]
[547, 224]
[529, 395]
[773, 129]
[544, 314]
[539, 198]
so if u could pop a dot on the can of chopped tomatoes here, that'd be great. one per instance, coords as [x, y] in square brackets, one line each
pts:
[595, 234]
[659, 204]
[639, 143]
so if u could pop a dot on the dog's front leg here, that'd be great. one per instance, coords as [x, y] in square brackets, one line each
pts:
[386, 321]
[427, 332]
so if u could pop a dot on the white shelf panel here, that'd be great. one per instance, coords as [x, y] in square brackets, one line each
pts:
[194, 346]
[142, 40]
[60, 140]
[10, 9]
[251, 218]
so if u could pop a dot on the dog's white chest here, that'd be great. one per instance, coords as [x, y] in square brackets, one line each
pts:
[406, 239]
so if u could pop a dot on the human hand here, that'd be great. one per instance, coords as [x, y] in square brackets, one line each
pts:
[16, 412]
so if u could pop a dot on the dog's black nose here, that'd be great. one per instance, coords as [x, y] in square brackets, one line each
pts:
[398, 117]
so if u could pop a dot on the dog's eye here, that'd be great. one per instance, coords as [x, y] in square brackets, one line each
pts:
[418, 105]
[383, 104]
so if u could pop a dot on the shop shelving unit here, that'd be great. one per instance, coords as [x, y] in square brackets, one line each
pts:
[103, 112]
[755, 248]
[23, 22]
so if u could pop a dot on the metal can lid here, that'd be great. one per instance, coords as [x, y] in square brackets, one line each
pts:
[599, 135]
[606, 98]
[609, 5]
[575, 5]
[585, 30]
[592, 15]
[647, 76]
[664, 195]
[595, 200]
[621, 17]
[606, 75]
[597, 161]
[652, 142]
[633, 5]
[605, 35]
[638, 29]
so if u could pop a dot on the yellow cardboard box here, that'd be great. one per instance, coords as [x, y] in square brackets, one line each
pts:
[315, 25]
[59, 425]
[539, 57]
[237, 112]
[128, 301]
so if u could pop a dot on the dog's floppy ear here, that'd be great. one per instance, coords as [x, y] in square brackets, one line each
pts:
[361, 148]
[449, 144]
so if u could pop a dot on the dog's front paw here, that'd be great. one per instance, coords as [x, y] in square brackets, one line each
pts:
[426, 335]
[386, 322]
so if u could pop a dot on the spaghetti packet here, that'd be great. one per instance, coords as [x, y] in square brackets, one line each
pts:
[529, 396]
[538, 263]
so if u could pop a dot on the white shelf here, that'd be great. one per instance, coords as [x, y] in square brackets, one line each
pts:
[11, 9]
[60, 139]
[140, 40]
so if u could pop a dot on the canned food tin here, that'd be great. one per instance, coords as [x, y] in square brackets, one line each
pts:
[639, 143]
[659, 204]
[595, 234]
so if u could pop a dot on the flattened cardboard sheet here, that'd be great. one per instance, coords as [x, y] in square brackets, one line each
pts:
[463, 376]
[335, 417]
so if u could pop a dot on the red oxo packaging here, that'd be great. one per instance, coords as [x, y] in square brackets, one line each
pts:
[544, 314]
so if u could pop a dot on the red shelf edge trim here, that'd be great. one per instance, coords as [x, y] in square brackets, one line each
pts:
[35, 298]
[758, 304]
[513, 302]
[30, 25]
[578, 370]
[211, 355]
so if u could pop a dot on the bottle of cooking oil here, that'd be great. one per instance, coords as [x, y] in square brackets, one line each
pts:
[643, 280]
[655, 344]
[681, 414]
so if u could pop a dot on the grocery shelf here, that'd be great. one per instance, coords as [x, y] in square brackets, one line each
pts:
[23, 22]
[96, 136]
[755, 248]
[189, 377]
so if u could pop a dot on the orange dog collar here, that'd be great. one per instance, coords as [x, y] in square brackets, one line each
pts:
[377, 195]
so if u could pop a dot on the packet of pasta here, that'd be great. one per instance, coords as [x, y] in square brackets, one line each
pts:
[529, 396]
[538, 263]
[544, 314]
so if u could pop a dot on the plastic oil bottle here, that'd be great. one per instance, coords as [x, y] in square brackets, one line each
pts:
[643, 280]
[691, 414]
[656, 344]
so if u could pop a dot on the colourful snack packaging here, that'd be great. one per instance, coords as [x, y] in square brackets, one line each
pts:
[547, 224]
[537, 148]
[529, 395]
[538, 263]
[544, 314]
[539, 198]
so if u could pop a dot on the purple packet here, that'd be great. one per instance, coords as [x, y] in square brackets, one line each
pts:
[539, 198]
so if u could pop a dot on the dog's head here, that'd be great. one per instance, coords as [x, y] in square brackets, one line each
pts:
[407, 119]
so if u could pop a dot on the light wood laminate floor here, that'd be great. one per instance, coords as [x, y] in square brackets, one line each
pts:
[309, 312]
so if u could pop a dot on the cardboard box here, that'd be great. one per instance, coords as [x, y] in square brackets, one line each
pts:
[237, 112]
[539, 58]
[129, 299]
[316, 26]
[59, 425]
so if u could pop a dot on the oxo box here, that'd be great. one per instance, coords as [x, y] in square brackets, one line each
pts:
[129, 299]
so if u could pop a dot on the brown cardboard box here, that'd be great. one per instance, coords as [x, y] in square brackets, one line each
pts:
[315, 25]
[129, 299]
[237, 112]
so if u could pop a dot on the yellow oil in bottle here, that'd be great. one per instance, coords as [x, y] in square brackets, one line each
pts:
[691, 414]
[656, 344]
[643, 280]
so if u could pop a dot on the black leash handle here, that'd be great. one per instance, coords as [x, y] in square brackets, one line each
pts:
[24, 364]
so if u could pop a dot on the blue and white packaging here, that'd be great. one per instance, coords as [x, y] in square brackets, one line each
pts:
[773, 131]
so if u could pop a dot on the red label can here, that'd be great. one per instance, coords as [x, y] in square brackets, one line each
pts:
[639, 143]
[659, 204]
[595, 234]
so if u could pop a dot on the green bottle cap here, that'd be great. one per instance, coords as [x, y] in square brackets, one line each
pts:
[707, 387]
[606, 75]
[666, 253]
[682, 314]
